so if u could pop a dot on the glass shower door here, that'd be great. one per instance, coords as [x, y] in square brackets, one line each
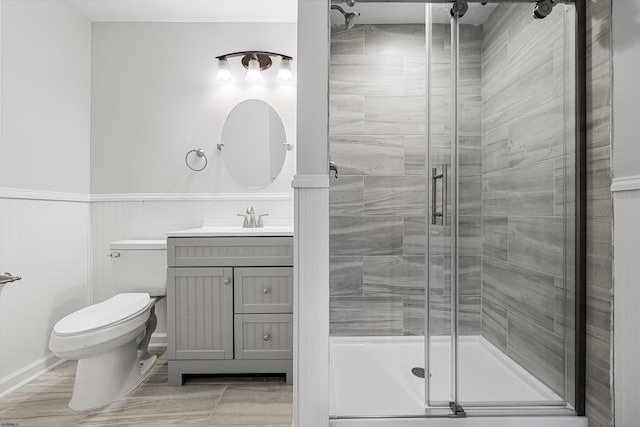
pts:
[441, 322]
[501, 207]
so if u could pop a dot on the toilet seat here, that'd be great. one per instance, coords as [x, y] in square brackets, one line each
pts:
[106, 314]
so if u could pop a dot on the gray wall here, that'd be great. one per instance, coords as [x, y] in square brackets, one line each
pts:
[523, 183]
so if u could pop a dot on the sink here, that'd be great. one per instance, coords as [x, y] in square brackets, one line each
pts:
[231, 228]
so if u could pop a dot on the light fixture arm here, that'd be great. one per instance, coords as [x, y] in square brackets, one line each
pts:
[255, 61]
[263, 57]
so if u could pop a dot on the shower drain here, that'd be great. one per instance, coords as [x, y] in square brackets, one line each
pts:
[418, 372]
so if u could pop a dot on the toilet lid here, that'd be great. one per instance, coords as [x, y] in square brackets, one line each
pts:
[106, 313]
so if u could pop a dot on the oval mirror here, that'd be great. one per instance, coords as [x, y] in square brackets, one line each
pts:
[254, 144]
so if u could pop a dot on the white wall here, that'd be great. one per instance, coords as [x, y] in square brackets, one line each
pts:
[311, 240]
[626, 205]
[626, 93]
[155, 97]
[44, 154]
[45, 89]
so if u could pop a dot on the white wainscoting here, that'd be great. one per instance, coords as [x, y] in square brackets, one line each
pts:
[626, 317]
[45, 238]
[311, 302]
[150, 216]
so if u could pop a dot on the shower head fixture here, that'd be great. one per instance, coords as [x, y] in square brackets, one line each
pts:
[459, 8]
[349, 17]
[543, 8]
[349, 3]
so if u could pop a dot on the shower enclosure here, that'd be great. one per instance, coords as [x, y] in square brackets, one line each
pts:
[456, 263]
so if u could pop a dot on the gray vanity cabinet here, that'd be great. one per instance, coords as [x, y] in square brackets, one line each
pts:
[202, 313]
[229, 306]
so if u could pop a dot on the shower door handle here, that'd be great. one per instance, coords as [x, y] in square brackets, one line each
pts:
[435, 176]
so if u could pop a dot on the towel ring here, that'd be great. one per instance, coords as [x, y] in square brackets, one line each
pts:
[200, 153]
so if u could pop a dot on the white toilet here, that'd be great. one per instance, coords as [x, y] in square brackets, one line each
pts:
[110, 339]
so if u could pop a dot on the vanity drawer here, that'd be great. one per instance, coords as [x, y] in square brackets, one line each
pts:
[263, 336]
[263, 289]
[227, 251]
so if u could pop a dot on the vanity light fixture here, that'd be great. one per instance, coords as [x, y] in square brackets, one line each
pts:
[284, 73]
[253, 71]
[224, 73]
[255, 62]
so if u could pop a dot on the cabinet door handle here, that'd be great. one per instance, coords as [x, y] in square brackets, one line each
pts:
[266, 337]
[227, 281]
[266, 291]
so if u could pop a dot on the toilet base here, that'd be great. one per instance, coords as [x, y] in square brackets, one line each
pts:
[105, 378]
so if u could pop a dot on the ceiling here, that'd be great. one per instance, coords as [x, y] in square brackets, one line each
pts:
[187, 10]
[261, 11]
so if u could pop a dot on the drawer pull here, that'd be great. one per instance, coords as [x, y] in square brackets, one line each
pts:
[266, 337]
[266, 291]
[227, 281]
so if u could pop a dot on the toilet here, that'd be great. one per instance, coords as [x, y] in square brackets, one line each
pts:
[110, 339]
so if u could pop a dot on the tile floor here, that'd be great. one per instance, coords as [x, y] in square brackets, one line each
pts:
[202, 401]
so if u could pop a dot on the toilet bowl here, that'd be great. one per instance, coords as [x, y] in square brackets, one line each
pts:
[110, 339]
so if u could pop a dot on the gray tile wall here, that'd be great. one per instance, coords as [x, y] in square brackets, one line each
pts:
[390, 154]
[377, 206]
[599, 216]
[523, 148]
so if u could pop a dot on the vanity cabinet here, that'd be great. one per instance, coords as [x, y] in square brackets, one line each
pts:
[229, 306]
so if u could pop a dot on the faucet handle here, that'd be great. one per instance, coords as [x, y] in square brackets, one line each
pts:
[260, 224]
[245, 224]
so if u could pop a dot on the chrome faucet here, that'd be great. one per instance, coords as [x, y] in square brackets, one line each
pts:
[252, 217]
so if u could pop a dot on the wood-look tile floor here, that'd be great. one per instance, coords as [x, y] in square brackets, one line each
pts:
[201, 401]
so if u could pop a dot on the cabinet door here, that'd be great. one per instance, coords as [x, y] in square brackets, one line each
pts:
[200, 313]
[263, 289]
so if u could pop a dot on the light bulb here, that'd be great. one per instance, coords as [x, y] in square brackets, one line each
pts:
[254, 74]
[284, 74]
[224, 73]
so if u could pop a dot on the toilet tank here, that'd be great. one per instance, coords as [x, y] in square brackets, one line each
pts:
[140, 266]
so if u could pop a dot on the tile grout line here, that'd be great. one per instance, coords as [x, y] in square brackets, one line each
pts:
[210, 419]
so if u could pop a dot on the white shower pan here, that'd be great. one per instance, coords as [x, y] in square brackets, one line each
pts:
[371, 380]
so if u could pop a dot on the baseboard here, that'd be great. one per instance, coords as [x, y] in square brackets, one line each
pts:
[17, 379]
[158, 339]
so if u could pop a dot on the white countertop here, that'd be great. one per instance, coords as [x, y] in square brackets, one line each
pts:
[233, 228]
